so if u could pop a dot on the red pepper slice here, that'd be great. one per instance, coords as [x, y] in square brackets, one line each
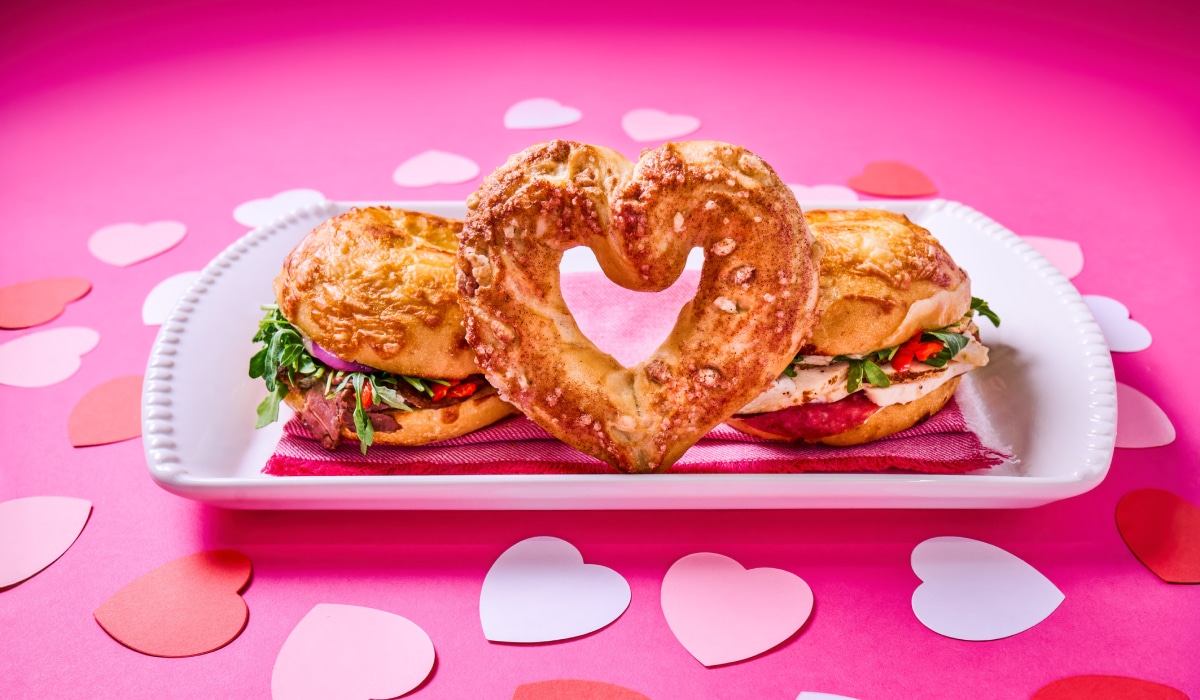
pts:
[914, 349]
[462, 391]
[439, 391]
[367, 396]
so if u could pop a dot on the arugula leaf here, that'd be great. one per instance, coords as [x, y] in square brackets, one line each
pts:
[854, 378]
[258, 364]
[981, 306]
[389, 396]
[954, 342]
[362, 424]
[789, 371]
[875, 375]
[268, 410]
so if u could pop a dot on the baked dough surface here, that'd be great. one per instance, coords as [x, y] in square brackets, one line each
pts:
[376, 286]
[882, 279]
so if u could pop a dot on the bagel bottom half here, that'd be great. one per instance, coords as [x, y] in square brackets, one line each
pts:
[886, 421]
[426, 425]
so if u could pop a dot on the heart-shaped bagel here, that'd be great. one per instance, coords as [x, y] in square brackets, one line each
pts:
[752, 311]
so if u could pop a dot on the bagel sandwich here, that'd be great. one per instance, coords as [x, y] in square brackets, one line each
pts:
[365, 340]
[895, 333]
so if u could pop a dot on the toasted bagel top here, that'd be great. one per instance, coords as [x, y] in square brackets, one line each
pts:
[376, 286]
[883, 278]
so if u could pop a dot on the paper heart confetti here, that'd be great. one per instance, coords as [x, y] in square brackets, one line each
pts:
[824, 193]
[45, 357]
[721, 612]
[40, 301]
[1140, 422]
[976, 591]
[435, 168]
[1122, 333]
[109, 413]
[36, 531]
[188, 606]
[657, 125]
[162, 298]
[125, 244]
[539, 590]
[540, 113]
[1163, 532]
[808, 695]
[888, 178]
[1107, 688]
[1067, 256]
[570, 689]
[351, 652]
[260, 212]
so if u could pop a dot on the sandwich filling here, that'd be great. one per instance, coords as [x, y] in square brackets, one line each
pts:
[825, 395]
[337, 398]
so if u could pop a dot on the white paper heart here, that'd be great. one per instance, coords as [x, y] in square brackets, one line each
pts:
[36, 531]
[809, 695]
[1140, 421]
[824, 193]
[351, 652]
[539, 590]
[540, 113]
[976, 591]
[1122, 332]
[125, 244]
[657, 125]
[260, 212]
[1067, 256]
[162, 298]
[435, 168]
[45, 357]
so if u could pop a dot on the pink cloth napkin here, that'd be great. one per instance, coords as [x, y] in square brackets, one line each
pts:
[629, 325]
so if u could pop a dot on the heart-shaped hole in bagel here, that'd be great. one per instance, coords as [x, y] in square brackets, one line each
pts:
[626, 324]
[753, 307]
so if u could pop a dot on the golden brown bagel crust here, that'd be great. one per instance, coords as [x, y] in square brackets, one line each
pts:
[876, 267]
[752, 311]
[427, 425]
[376, 286]
[884, 422]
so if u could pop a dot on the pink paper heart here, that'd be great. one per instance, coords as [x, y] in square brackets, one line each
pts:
[40, 301]
[657, 125]
[1121, 332]
[1067, 256]
[36, 531]
[45, 357]
[125, 244]
[347, 651]
[887, 178]
[1140, 422]
[721, 612]
[540, 113]
[435, 168]
[824, 193]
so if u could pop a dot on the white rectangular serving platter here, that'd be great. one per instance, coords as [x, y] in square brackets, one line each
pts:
[1049, 391]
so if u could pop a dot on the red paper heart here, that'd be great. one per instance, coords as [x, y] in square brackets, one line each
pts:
[185, 607]
[564, 689]
[109, 413]
[40, 301]
[887, 178]
[1107, 688]
[1163, 532]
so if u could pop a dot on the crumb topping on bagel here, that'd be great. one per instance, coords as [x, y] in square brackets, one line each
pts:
[376, 286]
[752, 311]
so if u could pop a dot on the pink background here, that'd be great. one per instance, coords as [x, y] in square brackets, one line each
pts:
[1077, 121]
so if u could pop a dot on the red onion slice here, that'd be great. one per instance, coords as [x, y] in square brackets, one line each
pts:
[333, 360]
